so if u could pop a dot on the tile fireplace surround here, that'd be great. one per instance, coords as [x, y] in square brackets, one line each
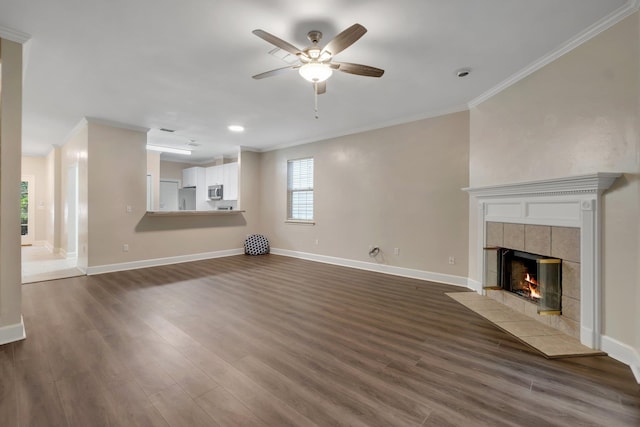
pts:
[561, 204]
[549, 241]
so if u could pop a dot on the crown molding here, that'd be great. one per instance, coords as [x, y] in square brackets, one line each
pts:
[14, 35]
[74, 131]
[84, 122]
[363, 129]
[105, 122]
[244, 148]
[603, 24]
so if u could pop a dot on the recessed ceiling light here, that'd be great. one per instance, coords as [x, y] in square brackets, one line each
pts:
[463, 72]
[236, 128]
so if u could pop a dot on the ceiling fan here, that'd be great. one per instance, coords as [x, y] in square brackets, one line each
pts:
[315, 63]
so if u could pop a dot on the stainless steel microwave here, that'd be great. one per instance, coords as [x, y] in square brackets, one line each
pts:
[215, 192]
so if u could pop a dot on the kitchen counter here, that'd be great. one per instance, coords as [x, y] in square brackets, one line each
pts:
[194, 213]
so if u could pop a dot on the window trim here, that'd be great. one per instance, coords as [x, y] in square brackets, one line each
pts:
[289, 219]
[300, 221]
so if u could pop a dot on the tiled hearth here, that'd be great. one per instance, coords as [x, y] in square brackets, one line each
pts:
[548, 217]
[551, 342]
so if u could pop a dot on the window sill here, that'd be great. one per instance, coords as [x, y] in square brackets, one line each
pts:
[300, 222]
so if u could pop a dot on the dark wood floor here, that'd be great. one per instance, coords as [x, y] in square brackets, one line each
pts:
[275, 341]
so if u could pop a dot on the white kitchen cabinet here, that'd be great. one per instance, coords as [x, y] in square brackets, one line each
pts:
[190, 176]
[215, 175]
[230, 181]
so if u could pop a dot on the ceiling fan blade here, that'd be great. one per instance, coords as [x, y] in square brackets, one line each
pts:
[274, 72]
[322, 87]
[345, 39]
[361, 70]
[276, 41]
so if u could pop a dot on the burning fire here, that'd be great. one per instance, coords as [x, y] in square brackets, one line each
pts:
[533, 286]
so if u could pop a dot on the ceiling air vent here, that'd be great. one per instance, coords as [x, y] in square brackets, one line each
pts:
[167, 130]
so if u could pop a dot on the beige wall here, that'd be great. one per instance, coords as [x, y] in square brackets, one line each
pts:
[111, 226]
[249, 188]
[172, 170]
[37, 167]
[10, 154]
[577, 115]
[114, 149]
[397, 187]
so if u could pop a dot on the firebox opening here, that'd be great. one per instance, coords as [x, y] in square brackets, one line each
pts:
[520, 275]
[535, 278]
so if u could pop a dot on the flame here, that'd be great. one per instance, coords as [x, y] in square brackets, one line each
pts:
[534, 293]
[533, 286]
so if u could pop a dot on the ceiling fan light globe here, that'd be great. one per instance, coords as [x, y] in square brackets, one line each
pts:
[315, 73]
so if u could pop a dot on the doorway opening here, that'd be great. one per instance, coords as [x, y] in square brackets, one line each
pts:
[42, 263]
[27, 220]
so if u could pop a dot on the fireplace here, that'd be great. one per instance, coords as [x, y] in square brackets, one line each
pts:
[532, 277]
[568, 205]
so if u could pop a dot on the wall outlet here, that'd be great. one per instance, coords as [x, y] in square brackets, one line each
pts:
[125, 247]
[396, 251]
[317, 241]
[129, 209]
[452, 260]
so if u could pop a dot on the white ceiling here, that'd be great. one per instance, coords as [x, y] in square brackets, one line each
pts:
[187, 65]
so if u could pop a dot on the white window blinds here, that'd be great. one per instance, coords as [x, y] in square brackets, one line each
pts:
[300, 189]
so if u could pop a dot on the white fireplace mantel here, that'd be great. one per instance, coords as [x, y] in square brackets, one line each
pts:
[565, 202]
[581, 184]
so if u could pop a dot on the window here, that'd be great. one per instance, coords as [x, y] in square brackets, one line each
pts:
[24, 208]
[300, 190]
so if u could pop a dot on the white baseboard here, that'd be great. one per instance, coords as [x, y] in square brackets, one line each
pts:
[623, 353]
[12, 333]
[380, 268]
[590, 338]
[110, 268]
[51, 249]
[474, 285]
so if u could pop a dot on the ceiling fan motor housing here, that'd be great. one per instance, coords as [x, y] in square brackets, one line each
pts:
[314, 36]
